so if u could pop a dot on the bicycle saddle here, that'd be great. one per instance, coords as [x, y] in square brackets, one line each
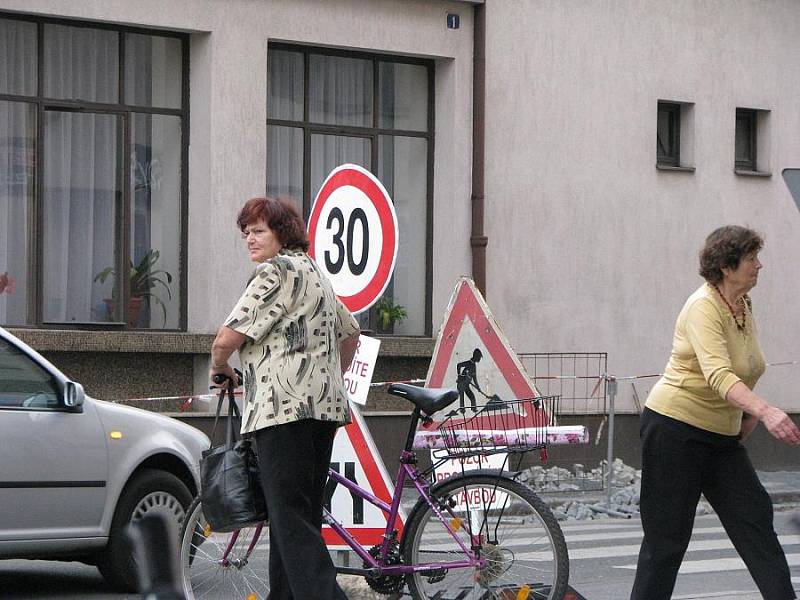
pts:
[428, 400]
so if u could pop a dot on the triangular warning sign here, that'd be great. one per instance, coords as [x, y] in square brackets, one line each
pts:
[474, 355]
[356, 457]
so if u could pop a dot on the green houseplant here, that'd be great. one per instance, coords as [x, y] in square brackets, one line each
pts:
[388, 313]
[144, 278]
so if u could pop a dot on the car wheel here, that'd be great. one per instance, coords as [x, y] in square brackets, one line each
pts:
[149, 491]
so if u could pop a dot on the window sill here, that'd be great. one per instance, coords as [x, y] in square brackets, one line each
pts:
[157, 342]
[746, 173]
[67, 340]
[677, 169]
[407, 346]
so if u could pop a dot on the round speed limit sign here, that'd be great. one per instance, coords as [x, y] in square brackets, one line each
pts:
[352, 230]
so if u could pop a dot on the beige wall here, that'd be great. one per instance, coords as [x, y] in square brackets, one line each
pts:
[227, 153]
[604, 246]
[590, 247]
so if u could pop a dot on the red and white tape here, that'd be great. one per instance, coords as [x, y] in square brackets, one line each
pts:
[187, 400]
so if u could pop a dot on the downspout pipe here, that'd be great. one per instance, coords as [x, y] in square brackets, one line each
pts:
[478, 241]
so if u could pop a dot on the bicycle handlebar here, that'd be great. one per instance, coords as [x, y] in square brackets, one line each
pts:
[221, 378]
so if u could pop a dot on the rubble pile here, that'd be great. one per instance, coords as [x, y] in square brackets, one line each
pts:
[585, 505]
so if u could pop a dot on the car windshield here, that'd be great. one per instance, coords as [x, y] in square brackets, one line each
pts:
[23, 383]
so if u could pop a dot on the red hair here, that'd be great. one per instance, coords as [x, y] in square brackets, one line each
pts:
[281, 217]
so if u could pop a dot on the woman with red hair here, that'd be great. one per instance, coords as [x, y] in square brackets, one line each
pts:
[295, 340]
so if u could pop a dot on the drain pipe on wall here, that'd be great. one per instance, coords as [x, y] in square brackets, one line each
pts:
[478, 240]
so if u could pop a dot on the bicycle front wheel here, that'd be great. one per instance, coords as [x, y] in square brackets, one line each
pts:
[208, 573]
[504, 523]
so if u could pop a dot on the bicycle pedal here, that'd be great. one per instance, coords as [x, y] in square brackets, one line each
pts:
[435, 575]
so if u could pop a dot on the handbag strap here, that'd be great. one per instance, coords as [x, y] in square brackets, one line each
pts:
[233, 411]
[216, 417]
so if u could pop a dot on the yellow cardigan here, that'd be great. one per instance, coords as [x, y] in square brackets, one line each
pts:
[709, 355]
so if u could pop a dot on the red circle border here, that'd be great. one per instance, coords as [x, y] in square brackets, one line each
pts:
[362, 180]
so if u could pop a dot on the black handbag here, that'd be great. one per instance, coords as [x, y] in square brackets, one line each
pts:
[230, 484]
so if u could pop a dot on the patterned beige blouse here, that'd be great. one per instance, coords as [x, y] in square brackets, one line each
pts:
[294, 323]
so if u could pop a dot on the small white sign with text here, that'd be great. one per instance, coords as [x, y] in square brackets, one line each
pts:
[479, 498]
[358, 377]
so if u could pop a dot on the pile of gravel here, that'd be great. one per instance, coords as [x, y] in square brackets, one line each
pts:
[624, 499]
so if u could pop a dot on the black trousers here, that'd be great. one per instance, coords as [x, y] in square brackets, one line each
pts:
[294, 459]
[679, 462]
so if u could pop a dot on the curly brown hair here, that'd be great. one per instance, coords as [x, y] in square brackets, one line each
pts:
[724, 248]
[281, 217]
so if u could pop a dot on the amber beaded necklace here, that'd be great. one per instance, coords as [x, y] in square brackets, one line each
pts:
[739, 326]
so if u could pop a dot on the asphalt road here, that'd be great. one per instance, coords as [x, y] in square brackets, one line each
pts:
[602, 566]
[39, 579]
[603, 559]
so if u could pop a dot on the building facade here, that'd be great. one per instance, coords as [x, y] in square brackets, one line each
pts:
[613, 135]
[601, 212]
[134, 133]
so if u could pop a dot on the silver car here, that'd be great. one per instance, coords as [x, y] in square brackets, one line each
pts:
[75, 471]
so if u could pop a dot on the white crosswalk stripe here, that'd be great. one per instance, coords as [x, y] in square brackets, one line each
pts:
[631, 534]
[594, 540]
[694, 546]
[718, 565]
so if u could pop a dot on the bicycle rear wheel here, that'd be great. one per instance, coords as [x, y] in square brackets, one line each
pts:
[204, 574]
[506, 523]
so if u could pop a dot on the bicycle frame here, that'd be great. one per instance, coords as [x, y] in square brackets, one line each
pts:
[407, 471]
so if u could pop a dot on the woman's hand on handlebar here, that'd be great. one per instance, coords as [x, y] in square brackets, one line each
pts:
[220, 376]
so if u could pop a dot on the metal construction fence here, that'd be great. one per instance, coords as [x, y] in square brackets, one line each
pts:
[580, 379]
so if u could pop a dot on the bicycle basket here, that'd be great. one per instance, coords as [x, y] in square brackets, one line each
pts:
[500, 426]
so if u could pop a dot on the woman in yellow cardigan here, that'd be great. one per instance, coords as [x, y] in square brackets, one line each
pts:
[695, 419]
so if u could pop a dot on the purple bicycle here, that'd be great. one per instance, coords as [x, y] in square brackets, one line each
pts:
[475, 535]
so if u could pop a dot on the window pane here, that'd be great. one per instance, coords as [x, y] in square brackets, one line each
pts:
[403, 96]
[745, 126]
[285, 85]
[17, 176]
[667, 134]
[80, 198]
[285, 163]
[81, 63]
[23, 382]
[664, 133]
[152, 70]
[330, 151]
[340, 90]
[17, 57]
[402, 168]
[155, 221]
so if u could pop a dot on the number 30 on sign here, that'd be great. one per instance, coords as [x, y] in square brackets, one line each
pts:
[353, 234]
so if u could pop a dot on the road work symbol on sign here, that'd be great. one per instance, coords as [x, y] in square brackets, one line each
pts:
[473, 355]
[352, 230]
[356, 457]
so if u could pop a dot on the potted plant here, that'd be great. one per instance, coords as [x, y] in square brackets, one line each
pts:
[144, 278]
[388, 313]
